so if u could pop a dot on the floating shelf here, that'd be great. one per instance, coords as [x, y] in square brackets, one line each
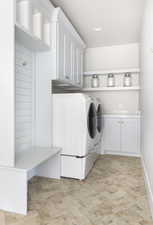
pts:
[115, 71]
[29, 40]
[111, 89]
[29, 159]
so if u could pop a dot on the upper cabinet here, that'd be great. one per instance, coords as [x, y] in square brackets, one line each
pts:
[68, 50]
[33, 24]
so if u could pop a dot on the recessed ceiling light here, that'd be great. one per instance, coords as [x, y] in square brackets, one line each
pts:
[97, 29]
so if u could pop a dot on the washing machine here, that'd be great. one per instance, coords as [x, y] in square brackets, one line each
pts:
[75, 130]
[99, 124]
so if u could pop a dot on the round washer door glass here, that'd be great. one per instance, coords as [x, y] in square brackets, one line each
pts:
[99, 118]
[92, 121]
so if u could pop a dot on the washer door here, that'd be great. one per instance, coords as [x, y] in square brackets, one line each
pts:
[99, 118]
[92, 121]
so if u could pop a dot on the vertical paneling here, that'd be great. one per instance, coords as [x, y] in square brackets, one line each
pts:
[24, 98]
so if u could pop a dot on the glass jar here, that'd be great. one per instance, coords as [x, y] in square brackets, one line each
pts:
[95, 81]
[127, 80]
[110, 80]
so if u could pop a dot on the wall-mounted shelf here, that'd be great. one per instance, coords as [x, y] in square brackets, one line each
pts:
[111, 89]
[29, 40]
[115, 71]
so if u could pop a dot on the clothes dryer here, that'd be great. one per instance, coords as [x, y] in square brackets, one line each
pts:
[99, 124]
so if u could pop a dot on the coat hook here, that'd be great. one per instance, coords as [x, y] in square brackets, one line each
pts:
[24, 63]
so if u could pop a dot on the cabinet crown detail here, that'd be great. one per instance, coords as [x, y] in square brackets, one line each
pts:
[58, 16]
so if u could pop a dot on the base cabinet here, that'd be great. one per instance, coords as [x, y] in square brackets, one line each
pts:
[111, 135]
[121, 135]
[130, 136]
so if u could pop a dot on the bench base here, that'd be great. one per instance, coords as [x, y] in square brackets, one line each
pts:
[14, 183]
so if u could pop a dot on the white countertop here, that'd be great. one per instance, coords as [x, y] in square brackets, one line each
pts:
[122, 115]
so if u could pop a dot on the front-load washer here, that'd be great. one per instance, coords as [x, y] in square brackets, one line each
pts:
[99, 124]
[74, 129]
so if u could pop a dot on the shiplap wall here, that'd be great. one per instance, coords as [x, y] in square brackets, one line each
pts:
[24, 98]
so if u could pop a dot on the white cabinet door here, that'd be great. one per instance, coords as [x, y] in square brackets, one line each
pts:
[130, 135]
[111, 135]
[72, 61]
[67, 58]
[60, 52]
[79, 67]
[75, 66]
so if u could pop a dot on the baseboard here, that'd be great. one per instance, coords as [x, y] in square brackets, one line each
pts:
[148, 187]
[120, 154]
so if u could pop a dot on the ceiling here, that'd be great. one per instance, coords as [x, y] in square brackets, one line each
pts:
[119, 20]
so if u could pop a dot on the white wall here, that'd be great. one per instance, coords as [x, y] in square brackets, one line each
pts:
[113, 57]
[118, 102]
[7, 92]
[147, 94]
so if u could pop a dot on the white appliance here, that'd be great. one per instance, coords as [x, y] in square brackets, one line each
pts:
[99, 117]
[99, 130]
[74, 129]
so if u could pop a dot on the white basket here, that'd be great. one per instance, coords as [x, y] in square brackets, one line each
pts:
[46, 33]
[37, 24]
[24, 14]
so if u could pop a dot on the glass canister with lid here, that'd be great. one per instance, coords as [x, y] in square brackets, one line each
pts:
[127, 81]
[95, 81]
[110, 80]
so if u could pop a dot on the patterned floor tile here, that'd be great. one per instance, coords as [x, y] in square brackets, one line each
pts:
[113, 194]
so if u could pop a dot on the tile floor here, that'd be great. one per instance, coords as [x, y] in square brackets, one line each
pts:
[113, 194]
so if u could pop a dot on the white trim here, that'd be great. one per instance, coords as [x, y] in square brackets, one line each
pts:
[125, 116]
[114, 71]
[120, 153]
[134, 88]
[148, 186]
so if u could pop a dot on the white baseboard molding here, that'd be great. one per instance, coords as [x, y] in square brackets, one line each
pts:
[148, 187]
[120, 154]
